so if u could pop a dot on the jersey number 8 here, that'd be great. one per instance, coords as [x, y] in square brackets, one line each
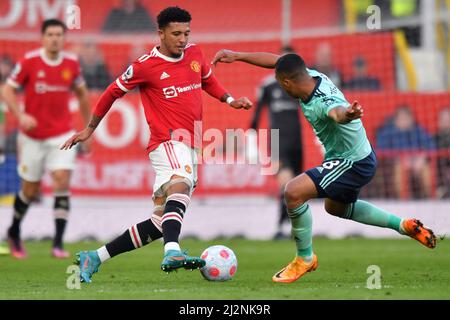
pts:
[330, 164]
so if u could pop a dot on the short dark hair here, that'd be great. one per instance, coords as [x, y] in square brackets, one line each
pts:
[172, 14]
[53, 22]
[290, 66]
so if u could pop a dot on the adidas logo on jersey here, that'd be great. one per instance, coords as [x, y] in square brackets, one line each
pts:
[164, 75]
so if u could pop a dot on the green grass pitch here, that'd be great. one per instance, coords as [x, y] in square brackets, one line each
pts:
[408, 271]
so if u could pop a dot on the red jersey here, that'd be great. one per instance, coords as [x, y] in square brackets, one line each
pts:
[47, 85]
[171, 93]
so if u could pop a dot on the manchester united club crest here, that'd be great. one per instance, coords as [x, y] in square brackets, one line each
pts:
[66, 74]
[195, 66]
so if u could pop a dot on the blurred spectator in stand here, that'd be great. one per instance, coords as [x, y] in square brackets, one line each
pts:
[324, 63]
[131, 16]
[94, 69]
[401, 11]
[402, 133]
[361, 80]
[443, 144]
[6, 66]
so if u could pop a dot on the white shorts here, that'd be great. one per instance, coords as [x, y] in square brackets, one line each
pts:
[173, 158]
[37, 155]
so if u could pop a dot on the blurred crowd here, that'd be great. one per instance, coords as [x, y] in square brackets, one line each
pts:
[414, 163]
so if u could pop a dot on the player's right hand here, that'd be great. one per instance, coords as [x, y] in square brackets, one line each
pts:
[27, 122]
[225, 56]
[242, 103]
[77, 137]
[355, 111]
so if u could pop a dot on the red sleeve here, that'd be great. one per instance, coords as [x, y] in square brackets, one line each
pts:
[132, 77]
[213, 87]
[206, 67]
[19, 75]
[107, 99]
[123, 84]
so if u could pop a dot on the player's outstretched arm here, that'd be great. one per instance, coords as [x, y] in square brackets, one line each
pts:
[104, 104]
[260, 59]
[82, 135]
[345, 115]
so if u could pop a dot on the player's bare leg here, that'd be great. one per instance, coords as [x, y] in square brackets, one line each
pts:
[61, 209]
[28, 192]
[365, 212]
[178, 193]
[297, 192]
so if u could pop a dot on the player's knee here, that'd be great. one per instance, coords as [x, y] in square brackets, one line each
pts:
[61, 180]
[181, 187]
[30, 193]
[293, 195]
[61, 185]
[178, 185]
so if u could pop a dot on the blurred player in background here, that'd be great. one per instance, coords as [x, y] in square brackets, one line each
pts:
[170, 78]
[283, 116]
[350, 163]
[6, 66]
[47, 76]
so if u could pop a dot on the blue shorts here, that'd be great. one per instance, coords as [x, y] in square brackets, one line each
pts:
[342, 179]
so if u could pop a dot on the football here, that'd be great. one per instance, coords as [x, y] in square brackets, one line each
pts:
[221, 263]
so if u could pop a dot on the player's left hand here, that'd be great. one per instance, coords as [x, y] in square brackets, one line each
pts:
[242, 103]
[355, 111]
[224, 56]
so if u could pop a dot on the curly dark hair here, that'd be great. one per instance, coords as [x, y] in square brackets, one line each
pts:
[172, 14]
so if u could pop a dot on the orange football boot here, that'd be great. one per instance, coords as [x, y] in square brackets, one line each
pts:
[294, 270]
[415, 229]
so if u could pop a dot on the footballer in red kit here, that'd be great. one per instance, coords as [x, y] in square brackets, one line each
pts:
[171, 91]
[47, 88]
[48, 76]
[170, 79]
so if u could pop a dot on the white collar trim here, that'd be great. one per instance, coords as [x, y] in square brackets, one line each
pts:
[159, 54]
[52, 63]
